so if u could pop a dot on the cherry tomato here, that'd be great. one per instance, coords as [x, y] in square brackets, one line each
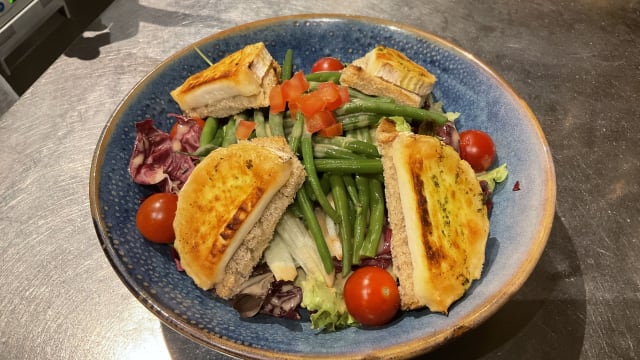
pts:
[174, 129]
[327, 64]
[155, 217]
[478, 149]
[372, 296]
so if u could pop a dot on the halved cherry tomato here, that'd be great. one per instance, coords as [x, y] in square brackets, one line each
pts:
[244, 129]
[155, 215]
[327, 64]
[331, 130]
[478, 149]
[276, 100]
[319, 121]
[371, 295]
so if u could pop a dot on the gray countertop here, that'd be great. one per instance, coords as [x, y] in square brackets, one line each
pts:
[577, 64]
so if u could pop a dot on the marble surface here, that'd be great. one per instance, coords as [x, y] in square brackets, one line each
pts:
[576, 63]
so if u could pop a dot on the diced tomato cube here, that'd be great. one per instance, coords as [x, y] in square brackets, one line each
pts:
[330, 93]
[319, 121]
[294, 87]
[293, 108]
[331, 130]
[311, 103]
[276, 100]
[244, 129]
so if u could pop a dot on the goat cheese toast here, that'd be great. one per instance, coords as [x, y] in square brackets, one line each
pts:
[240, 81]
[437, 216]
[389, 73]
[228, 210]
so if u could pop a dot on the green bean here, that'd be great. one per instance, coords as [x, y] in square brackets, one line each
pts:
[208, 131]
[361, 134]
[324, 76]
[287, 65]
[258, 118]
[355, 145]
[201, 151]
[296, 210]
[312, 177]
[219, 136]
[296, 132]
[346, 166]
[288, 121]
[364, 134]
[350, 185]
[276, 124]
[356, 94]
[391, 109]
[229, 132]
[328, 151]
[309, 190]
[351, 134]
[324, 183]
[309, 216]
[362, 214]
[376, 219]
[342, 206]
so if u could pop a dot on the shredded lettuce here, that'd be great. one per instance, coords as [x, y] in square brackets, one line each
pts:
[297, 239]
[494, 176]
[325, 303]
[279, 260]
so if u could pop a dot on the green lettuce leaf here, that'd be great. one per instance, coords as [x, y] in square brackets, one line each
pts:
[494, 176]
[401, 123]
[326, 304]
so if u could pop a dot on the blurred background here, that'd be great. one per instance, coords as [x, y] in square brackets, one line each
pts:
[33, 34]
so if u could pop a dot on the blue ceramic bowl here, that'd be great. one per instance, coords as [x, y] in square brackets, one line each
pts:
[520, 222]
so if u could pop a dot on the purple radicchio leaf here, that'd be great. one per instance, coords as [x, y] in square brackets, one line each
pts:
[283, 300]
[154, 161]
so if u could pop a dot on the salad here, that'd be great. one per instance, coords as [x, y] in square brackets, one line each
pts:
[330, 256]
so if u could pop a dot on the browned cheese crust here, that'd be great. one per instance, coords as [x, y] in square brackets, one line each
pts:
[357, 78]
[228, 210]
[438, 220]
[239, 81]
[387, 72]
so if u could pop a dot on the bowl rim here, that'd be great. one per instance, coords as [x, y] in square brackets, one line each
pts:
[410, 348]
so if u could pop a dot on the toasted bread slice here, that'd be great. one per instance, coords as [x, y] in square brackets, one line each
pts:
[438, 219]
[387, 72]
[228, 210]
[240, 81]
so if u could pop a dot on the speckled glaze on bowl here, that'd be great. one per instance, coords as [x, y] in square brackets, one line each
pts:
[520, 225]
